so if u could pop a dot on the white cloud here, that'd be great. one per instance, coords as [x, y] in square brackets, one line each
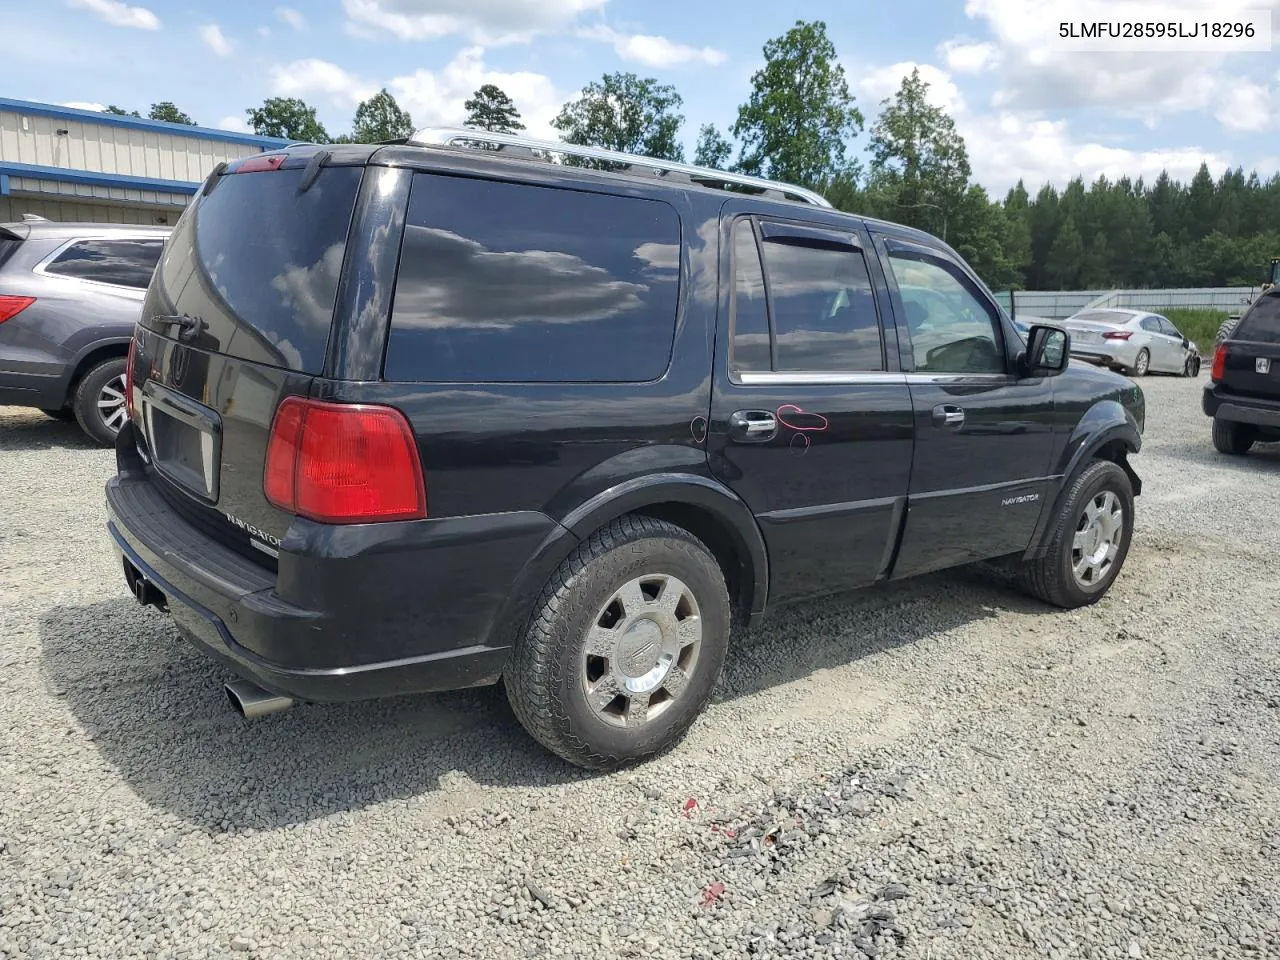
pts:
[437, 98]
[962, 56]
[82, 105]
[1246, 107]
[303, 78]
[488, 22]
[1006, 147]
[292, 17]
[264, 32]
[652, 51]
[880, 83]
[119, 14]
[216, 40]
[235, 124]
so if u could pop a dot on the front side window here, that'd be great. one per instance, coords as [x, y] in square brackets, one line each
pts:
[123, 263]
[504, 282]
[952, 330]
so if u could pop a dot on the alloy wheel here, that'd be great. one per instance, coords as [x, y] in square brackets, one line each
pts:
[1097, 539]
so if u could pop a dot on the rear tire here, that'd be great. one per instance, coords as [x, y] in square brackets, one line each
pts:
[1089, 542]
[95, 404]
[1233, 439]
[624, 646]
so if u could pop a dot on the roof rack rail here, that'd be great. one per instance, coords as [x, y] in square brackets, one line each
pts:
[455, 136]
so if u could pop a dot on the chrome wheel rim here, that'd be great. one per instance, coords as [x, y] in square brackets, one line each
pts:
[1144, 361]
[111, 405]
[1097, 539]
[641, 650]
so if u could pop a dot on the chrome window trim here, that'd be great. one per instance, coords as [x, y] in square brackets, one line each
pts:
[869, 378]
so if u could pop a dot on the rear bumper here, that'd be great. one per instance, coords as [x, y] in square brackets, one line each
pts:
[1105, 357]
[412, 619]
[1240, 409]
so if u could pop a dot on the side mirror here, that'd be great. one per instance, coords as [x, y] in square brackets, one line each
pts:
[1048, 351]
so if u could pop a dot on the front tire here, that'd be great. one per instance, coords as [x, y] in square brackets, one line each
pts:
[1233, 439]
[99, 403]
[1191, 368]
[1141, 363]
[624, 646]
[1090, 540]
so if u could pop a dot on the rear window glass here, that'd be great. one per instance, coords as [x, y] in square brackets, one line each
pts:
[258, 262]
[124, 263]
[504, 282]
[1262, 323]
[1104, 316]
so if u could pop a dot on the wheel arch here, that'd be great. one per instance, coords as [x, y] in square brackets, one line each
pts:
[89, 358]
[1107, 431]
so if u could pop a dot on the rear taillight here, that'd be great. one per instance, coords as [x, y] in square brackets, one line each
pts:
[1117, 335]
[343, 463]
[1219, 362]
[128, 377]
[10, 307]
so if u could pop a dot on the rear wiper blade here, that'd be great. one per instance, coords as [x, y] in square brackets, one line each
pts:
[188, 326]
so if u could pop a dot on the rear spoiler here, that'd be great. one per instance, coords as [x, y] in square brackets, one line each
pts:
[14, 231]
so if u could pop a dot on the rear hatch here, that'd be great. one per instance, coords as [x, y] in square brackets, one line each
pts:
[1251, 364]
[237, 318]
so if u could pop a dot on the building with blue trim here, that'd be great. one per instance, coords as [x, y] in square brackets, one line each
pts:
[66, 164]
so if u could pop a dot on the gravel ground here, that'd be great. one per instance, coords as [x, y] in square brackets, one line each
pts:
[936, 769]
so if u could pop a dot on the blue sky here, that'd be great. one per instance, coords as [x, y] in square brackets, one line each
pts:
[1027, 106]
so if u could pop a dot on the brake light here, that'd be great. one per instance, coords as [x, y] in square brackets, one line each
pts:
[343, 463]
[10, 307]
[257, 164]
[1117, 335]
[1219, 367]
[128, 377]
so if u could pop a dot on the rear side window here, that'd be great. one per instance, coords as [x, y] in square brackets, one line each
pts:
[258, 262]
[505, 282]
[1262, 323]
[123, 263]
[819, 302]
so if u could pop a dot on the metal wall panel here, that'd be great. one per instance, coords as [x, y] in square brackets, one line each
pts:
[93, 191]
[108, 148]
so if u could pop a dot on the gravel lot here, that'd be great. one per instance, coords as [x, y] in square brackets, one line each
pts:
[938, 769]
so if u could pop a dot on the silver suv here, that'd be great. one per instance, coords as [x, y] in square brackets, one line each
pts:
[70, 294]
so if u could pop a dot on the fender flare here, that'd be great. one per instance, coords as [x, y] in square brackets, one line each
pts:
[1104, 424]
[638, 493]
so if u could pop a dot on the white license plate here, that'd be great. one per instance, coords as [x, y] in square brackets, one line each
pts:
[1262, 365]
[1088, 336]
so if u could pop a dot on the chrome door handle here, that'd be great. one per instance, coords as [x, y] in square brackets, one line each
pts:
[755, 425]
[948, 415]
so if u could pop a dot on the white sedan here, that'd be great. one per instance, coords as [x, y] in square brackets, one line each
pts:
[1134, 341]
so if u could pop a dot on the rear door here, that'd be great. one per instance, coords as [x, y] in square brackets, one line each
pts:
[811, 418]
[238, 316]
[984, 436]
[1252, 363]
[1157, 343]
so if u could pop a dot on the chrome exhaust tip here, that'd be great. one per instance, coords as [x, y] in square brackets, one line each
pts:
[251, 701]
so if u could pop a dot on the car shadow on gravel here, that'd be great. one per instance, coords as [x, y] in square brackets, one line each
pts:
[154, 708]
[1263, 458]
[25, 429]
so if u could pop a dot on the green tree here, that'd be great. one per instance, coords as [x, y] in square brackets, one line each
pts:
[166, 111]
[380, 118]
[491, 109]
[1062, 271]
[287, 117]
[627, 113]
[713, 149]
[800, 117]
[919, 158]
[122, 112]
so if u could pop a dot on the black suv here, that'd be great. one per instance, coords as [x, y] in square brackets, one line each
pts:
[1243, 392]
[412, 417]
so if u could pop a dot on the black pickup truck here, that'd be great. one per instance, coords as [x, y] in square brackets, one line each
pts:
[463, 415]
[1243, 392]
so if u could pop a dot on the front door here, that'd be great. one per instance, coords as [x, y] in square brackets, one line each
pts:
[811, 419]
[984, 437]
